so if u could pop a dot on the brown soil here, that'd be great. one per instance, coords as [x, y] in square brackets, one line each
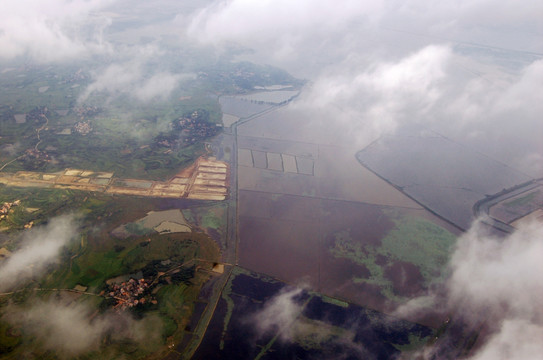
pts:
[406, 278]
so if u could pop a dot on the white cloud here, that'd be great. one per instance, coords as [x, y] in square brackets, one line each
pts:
[40, 248]
[131, 77]
[291, 34]
[366, 101]
[240, 20]
[158, 86]
[72, 329]
[516, 340]
[494, 281]
[502, 275]
[52, 30]
[389, 64]
[278, 314]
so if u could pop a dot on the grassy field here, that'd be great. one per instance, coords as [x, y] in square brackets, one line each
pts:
[94, 257]
[422, 243]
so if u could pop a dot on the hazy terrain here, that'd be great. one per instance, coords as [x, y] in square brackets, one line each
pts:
[381, 161]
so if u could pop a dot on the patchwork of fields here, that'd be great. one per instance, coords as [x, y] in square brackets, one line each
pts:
[207, 179]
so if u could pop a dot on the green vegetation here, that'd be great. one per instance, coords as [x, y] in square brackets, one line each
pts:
[523, 200]
[226, 295]
[95, 257]
[334, 301]
[116, 132]
[346, 247]
[412, 240]
[9, 338]
[48, 122]
[420, 242]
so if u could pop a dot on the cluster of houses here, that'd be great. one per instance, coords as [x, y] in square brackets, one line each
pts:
[36, 156]
[6, 207]
[83, 127]
[86, 111]
[129, 293]
[196, 126]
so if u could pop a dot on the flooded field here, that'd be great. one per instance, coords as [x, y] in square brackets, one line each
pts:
[292, 124]
[228, 120]
[327, 172]
[241, 108]
[321, 327]
[309, 212]
[350, 250]
[445, 176]
[269, 97]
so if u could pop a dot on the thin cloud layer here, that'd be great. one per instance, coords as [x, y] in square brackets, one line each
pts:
[129, 78]
[40, 248]
[71, 329]
[240, 20]
[369, 101]
[133, 73]
[467, 70]
[320, 32]
[53, 30]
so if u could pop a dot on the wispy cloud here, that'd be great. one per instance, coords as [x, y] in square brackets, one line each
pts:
[53, 30]
[40, 247]
[463, 69]
[72, 329]
[278, 314]
[131, 74]
[494, 281]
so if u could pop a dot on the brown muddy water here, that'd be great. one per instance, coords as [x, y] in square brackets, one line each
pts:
[288, 237]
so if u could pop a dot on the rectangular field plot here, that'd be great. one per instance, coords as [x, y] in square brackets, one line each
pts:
[279, 146]
[133, 183]
[305, 165]
[444, 176]
[289, 163]
[260, 159]
[245, 158]
[228, 119]
[274, 161]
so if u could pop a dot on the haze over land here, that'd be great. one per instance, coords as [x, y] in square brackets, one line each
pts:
[470, 73]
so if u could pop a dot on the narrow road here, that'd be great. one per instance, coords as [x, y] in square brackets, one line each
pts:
[40, 129]
[35, 147]
[232, 255]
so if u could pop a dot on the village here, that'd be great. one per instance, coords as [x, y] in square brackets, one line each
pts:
[129, 293]
[6, 207]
